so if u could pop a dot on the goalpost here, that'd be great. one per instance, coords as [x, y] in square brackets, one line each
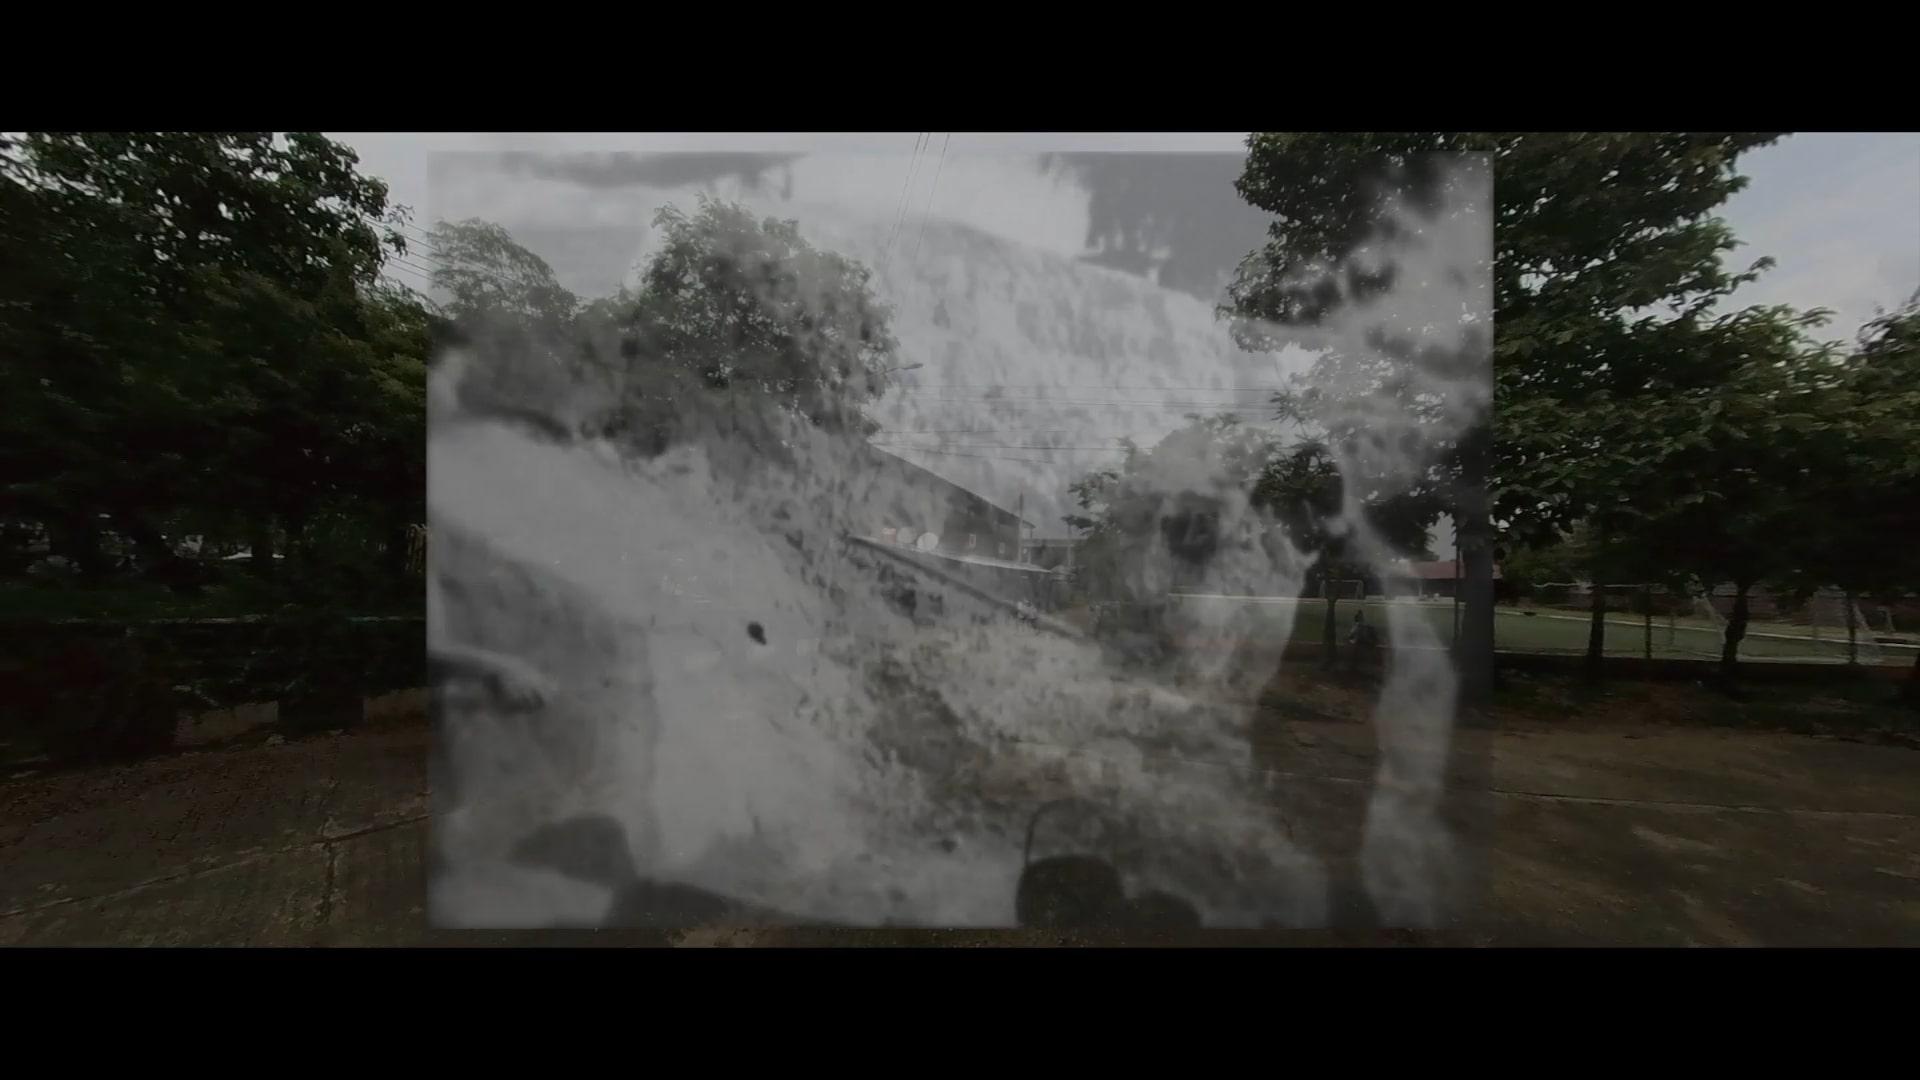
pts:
[1343, 589]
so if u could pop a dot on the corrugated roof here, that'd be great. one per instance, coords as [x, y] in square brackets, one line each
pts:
[962, 488]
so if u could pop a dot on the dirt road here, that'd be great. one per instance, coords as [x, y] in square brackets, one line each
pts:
[1632, 834]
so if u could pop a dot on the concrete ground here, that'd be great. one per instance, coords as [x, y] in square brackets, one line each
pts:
[1624, 833]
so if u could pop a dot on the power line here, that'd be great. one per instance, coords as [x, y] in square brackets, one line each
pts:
[991, 396]
[906, 197]
[402, 283]
[1007, 446]
[400, 227]
[395, 226]
[1198, 406]
[422, 251]
[416, 267]
[924, 214]
[1088, 386]
[402, 267]
[1066, 395]
[978, 457]
[983, 431]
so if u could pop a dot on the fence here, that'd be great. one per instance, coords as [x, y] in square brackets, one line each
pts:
[1528, 627]
[1655, 623]
[96, 689]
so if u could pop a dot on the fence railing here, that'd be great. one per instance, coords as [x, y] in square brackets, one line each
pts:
[98, 688]
[1630, 628]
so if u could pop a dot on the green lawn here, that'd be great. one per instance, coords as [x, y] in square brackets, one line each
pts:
[1566, 632]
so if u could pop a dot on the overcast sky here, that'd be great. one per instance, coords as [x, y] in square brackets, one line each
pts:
[1839, 212]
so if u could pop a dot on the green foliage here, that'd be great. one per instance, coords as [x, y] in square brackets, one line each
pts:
[1302, 487]
[488, 275]
[1859, 426]
[110, 700]
[1296, 487]
[1592, 231]
[1530, 565]
[323, 658]
[1732, 477]
[195, 337]
[738, 324]
[1606, 270]
[517, 325]
[735, 308]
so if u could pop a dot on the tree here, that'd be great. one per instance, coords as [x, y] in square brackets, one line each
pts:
[1169, 497]
[1864, 478]
[521, 329]
[1592, 552]
[1175, 512]
[1302, 487]
[379, 470]
[175, 310]
[1726, 495]
[1590, 229]
[735, 313]
[738, 324]
[487, 273]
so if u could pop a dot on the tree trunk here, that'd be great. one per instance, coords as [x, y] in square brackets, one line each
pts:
[1853, 639]
[1913, 683]
[293, 527]
[1329, 628]
[167, 567]
[260, 545]
[78, 538]
[1646, 614]
[1473, 531]
[1596, 630]
[1736, 629]
[396, 545]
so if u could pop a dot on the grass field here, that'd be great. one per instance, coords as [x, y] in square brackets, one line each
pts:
[1566, 632]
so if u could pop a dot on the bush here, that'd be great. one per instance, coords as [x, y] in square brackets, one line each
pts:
[109, 700]
[324, 656]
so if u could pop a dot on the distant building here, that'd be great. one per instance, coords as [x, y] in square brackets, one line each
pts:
[1051, 554]
[906, 504]
[1441, 578]
[922, 517]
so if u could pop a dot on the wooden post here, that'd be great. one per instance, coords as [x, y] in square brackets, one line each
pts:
[1853, 641]
[1019, 526]
[1646, 605]
[1456, 590]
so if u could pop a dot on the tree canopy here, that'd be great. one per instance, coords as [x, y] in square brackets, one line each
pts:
[743, 304]
[1606, 269]
[194, 326]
